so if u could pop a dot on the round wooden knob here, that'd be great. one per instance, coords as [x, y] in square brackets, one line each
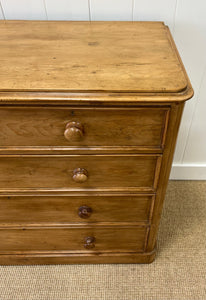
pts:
[80, 175]
[74, 131]
[85, 212]
[89, 242]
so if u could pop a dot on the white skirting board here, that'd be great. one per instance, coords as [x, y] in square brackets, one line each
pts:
[188, 172]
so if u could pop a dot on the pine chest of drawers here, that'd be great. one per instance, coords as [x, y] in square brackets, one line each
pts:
[89, 115]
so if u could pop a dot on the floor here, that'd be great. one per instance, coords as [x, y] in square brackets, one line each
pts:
[179, 271]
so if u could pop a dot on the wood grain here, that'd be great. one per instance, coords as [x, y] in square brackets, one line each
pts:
[48, 127]
[107, 99]
[56, 172]
[61, 210]
[176, 113]
[82, 56]
[78, 258]
[18, 241]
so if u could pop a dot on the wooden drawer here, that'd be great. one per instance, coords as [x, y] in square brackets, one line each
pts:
[93, 127]
[80, 172]
[105, 239]
[50, 210]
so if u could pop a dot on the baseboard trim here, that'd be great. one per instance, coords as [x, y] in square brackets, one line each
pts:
[188, 172]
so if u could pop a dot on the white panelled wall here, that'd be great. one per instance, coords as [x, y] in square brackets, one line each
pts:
[187, 21]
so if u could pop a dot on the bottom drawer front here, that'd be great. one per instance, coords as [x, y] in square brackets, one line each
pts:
[51, 210]
[72, 239]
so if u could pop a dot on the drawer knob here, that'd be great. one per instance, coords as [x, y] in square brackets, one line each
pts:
[85, 212]
[74, 131]
[80, 175]
[89, 242]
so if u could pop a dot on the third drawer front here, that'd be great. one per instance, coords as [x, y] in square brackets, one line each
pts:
[80, 172]
[51, 210]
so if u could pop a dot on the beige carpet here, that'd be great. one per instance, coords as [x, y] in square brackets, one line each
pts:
[179, 271]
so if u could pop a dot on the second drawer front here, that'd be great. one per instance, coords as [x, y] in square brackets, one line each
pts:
[50, 210]
[73, 239]
[80, 172]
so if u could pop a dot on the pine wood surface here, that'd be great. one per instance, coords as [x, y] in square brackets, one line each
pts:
[89, 116]
[62, 210]
[51, 240]
[104, 171]
[114, 127]
[82, 56]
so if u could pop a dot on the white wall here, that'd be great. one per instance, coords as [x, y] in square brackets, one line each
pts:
[187, 21]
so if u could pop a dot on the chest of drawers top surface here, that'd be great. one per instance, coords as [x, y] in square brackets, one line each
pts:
[90, 57]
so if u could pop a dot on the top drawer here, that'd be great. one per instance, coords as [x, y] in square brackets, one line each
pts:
[83, 127]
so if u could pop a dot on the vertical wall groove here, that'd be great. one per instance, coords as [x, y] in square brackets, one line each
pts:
[1, 8]
[89, 7]
[174, 16]
[45, 9]
[133, 10]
